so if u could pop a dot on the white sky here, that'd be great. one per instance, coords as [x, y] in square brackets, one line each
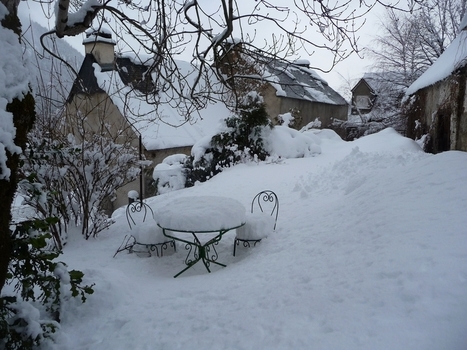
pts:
[352, 68]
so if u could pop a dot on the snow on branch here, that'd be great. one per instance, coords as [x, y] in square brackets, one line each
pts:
[14, 80]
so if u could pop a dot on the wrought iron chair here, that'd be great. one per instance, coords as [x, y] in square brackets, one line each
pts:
[147, 237]
[261, 220]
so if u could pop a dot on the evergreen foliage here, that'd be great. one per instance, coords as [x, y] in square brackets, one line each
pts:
[241, 141]
[41, 285]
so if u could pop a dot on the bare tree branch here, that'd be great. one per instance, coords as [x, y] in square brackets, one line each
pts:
[166, 29]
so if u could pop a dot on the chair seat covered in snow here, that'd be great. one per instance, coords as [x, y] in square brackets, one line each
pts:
[146, 236]
[260, 221]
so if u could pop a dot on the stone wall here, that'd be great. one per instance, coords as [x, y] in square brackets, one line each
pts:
[156, 157]
[309, 111]
[439, 112]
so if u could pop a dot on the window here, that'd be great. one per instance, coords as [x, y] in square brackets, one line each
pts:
[362, 102]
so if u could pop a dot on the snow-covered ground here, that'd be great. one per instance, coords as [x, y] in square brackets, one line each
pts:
[370, 252]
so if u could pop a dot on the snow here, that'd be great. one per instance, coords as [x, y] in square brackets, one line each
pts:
[289, 143]
[319, 95]
[257, 226]
[133, 194]
[146, 232]
[453, 58]
[302, 62]
[14, 80]
[200, 147]
[94, 35]
[370, 252]
[186, 213]
[169, 174]
[171, 129]
[78, 16]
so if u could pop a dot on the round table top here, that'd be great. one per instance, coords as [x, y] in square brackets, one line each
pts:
[201, 214]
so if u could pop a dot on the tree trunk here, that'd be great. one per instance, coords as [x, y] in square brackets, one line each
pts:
[23, 118]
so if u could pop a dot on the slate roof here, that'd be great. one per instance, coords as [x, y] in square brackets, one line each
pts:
[366, 83]
[299, 82]
[294, 80]
[379, 82]
[85, 82]
[130, 73]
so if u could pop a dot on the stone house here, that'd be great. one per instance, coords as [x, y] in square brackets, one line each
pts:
[285, 86]
[436, 103]
[364, 94]
[110, 96]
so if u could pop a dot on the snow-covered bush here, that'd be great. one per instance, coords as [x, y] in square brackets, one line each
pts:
[169, 175]
[241, 140]
[291, 118]
[73, 180]
[285, 142]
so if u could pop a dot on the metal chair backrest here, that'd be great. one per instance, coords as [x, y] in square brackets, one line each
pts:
[268, 203]
[137, 207]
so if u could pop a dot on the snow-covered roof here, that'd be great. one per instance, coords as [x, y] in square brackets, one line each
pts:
[296, 80]
[453, 58]
[378, 81]
[167, 128]
[373, 80]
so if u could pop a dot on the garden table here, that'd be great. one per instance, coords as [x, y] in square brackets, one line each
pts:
[206, 219]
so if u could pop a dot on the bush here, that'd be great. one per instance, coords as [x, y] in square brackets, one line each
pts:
[168, 175]
[240, 141]
[74, 180]
[41, 285]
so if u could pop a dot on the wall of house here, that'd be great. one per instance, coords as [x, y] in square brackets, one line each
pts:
[439, 111]
[149, 190]
[361, 89]
[309, 111]
[96, 114]
[461, 136]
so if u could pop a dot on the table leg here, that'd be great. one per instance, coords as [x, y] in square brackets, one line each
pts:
[202, 252]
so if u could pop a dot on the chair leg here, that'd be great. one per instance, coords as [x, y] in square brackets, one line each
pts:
[235, 246]
[245, 242]
[126, 245]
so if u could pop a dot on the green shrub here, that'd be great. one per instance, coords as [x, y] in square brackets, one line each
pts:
[41, 285]
[240, 141]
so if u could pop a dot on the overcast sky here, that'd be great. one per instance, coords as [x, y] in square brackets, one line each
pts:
[351, 69]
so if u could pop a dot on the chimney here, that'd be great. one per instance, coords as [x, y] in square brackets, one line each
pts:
[302, 63]
[99, 43]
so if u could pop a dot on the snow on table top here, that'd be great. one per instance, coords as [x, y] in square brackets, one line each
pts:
[201, 213]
